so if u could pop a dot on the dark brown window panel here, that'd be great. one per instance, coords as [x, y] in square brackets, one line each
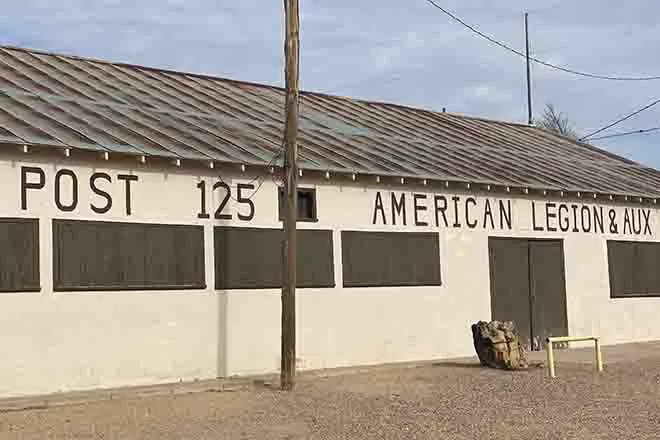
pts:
[95, 255]
[252, 258]
[375, 259]
[634, 268]
[19, 255]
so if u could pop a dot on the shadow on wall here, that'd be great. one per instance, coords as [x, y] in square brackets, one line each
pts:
[221, 295]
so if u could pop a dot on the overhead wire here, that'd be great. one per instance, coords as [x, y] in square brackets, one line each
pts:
[618, 121]
[539, 61]
[625, 133]
[260, 177]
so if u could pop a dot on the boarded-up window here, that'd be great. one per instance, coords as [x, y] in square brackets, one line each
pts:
[251, 258]
[634, 268]
[19, 255]
[372, 259]
[90, 255]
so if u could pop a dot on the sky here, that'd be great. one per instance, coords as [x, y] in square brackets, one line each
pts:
[400, 51]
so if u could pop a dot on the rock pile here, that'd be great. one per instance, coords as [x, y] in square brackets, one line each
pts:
[498, 346]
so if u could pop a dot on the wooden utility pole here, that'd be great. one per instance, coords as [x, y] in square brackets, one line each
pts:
[292, 53]
[530, 121]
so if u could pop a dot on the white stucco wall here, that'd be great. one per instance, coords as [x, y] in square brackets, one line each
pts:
[65, 341]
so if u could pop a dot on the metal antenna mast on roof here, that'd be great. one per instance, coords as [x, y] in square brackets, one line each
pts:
[529, 80]
[292, 54]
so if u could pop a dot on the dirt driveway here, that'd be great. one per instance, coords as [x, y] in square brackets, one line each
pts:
[453, 400]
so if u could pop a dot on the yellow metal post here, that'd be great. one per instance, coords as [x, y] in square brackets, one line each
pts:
[551, 358]
[599, 356]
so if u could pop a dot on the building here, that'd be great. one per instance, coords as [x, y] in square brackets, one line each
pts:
[140, 227]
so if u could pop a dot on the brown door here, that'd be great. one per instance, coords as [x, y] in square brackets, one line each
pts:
[527, 286]
[547, 290]
[509, 284]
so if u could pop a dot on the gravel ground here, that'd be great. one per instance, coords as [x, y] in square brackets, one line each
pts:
[441, 401]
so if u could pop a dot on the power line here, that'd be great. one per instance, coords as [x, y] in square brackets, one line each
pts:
[536, 60]
[625, 133]
[618, 121]
[280, 152]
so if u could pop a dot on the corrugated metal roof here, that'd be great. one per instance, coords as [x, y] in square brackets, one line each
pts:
[64, 101]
